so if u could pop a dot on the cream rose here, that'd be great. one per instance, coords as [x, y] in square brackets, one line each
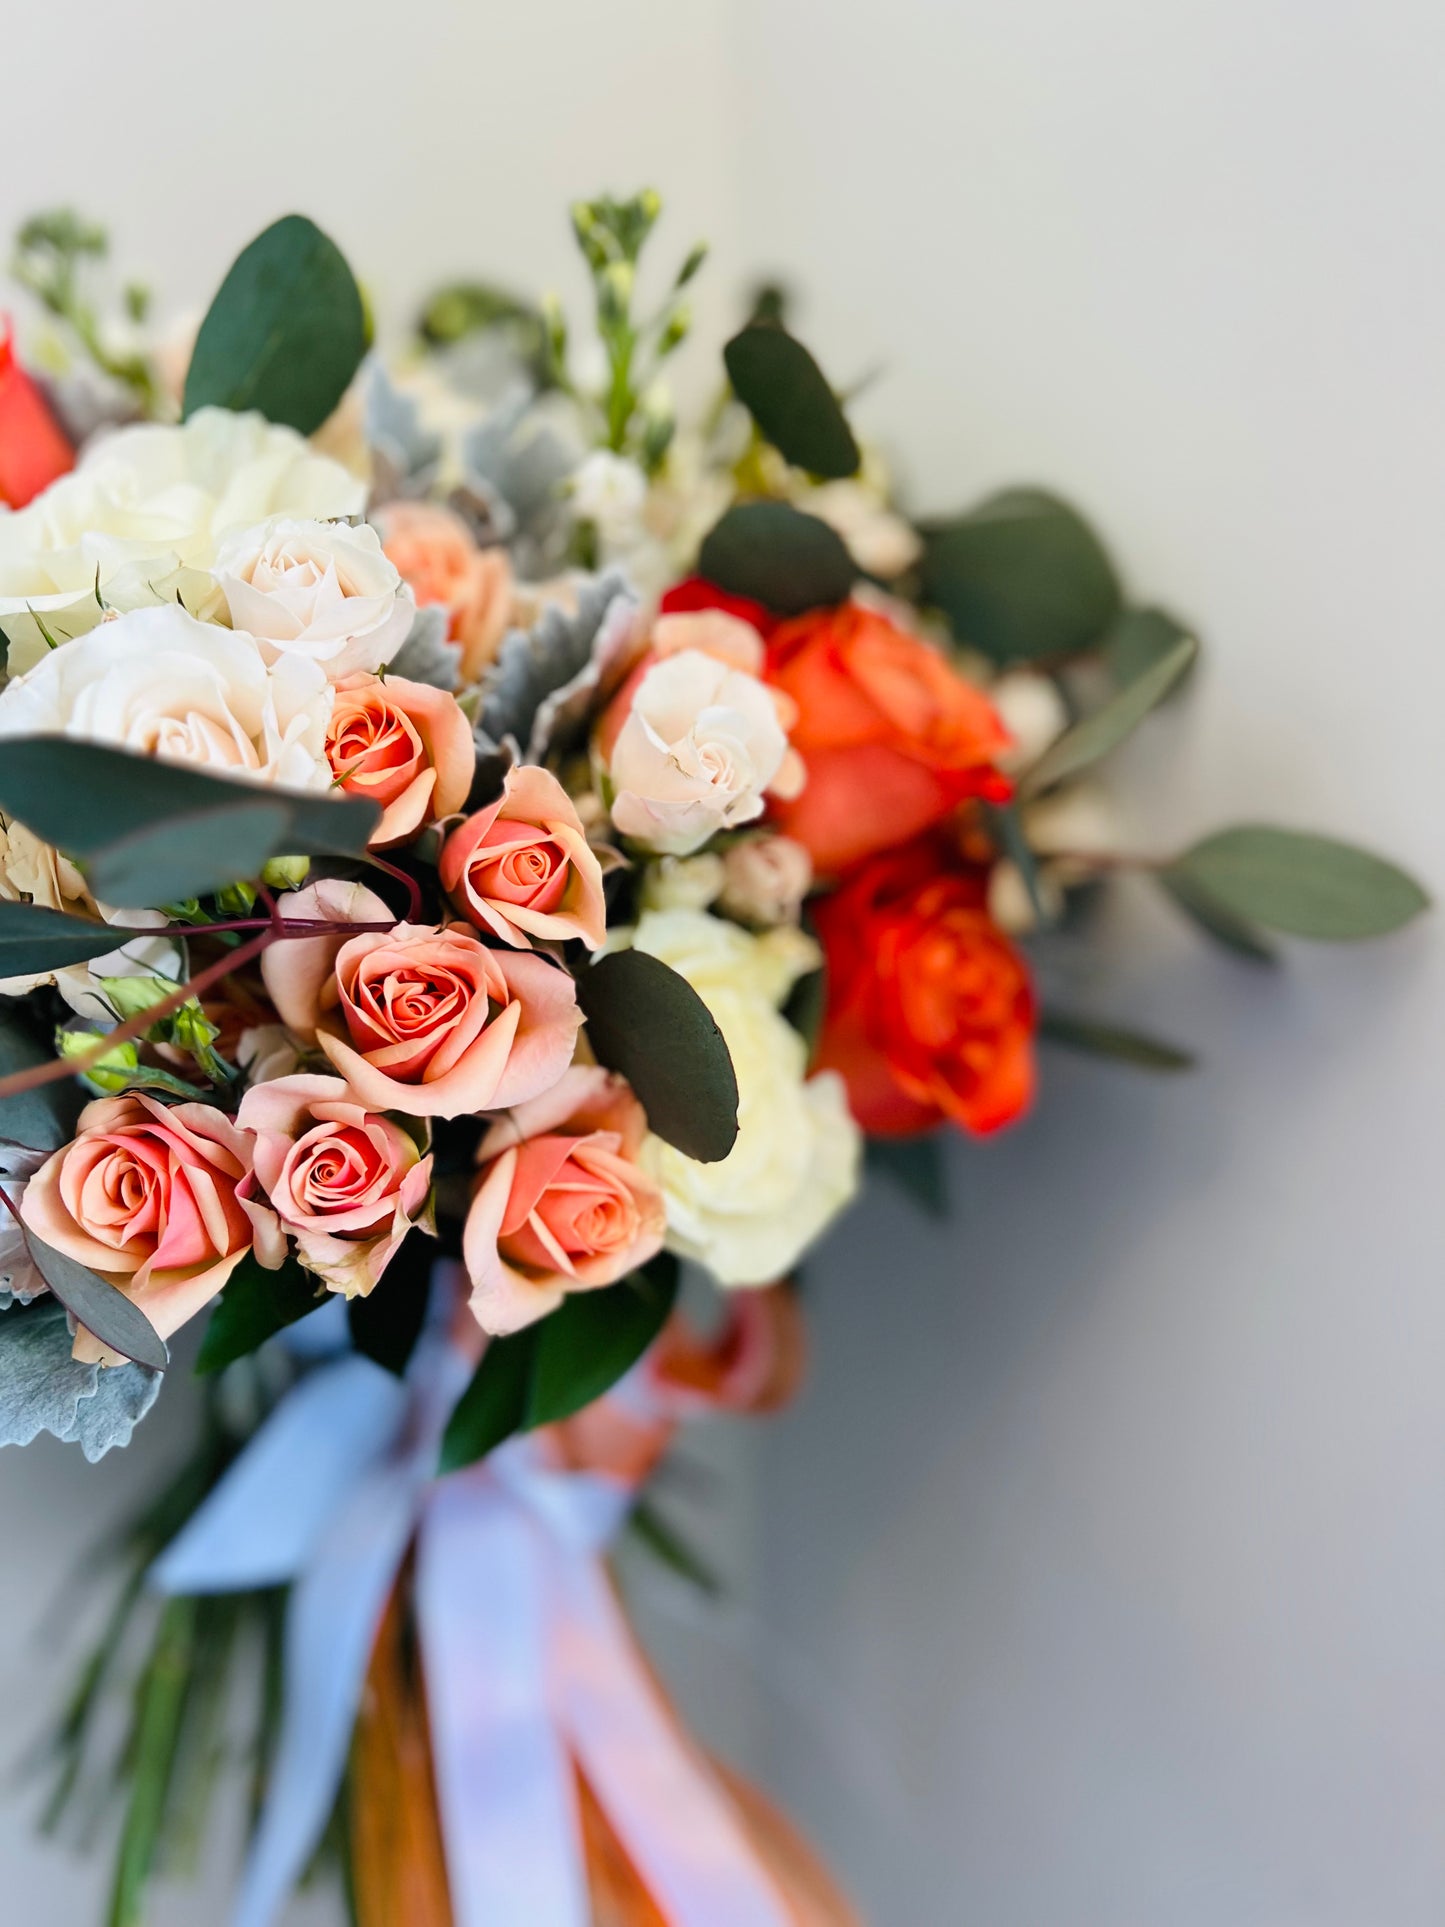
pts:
[147, 502]
[700, 746]
[794, 1166]
[160, 683]
[322, 590]
[765, 879]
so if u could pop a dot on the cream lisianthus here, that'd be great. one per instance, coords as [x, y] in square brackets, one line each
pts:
[749, 1218]
[322, 590]
[145, 508]
[160, 683]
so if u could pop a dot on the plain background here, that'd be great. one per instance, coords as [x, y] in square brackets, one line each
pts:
[1099, 1579]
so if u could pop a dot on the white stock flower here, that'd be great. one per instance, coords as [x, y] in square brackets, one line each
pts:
[749, 1217]
[879, 541]
[160, 683]
[682, 882]
[700, 746]
[765, 879]
[609, 491]
[322, 590]
[145, 506]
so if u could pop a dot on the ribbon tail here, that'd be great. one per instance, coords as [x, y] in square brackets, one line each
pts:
[331, 1626]
[505, 1783]
[668, 1810]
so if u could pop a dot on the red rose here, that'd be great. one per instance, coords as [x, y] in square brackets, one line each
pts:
[695, 592]
[892, 736]
[930, 1008]
[33, 451]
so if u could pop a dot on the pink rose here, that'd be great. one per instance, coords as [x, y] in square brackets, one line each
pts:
[433, 550]
[404, 745]
[145, 1196]
[428, 1021]
[297, 970]
[561, 1204]
[344, 1182]
[523, 868]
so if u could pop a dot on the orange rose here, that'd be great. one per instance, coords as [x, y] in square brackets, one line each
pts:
[145, 1196]
[892, 736]
[522, 867]
[930, 1008]
[404, 745]
[433, 550]
[561, 1203]
[33, 451]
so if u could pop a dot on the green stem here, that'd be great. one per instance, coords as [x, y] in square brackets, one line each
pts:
[158, 1720]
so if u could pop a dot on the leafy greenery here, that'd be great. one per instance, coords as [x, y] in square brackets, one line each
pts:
[1094, 736]
[563, 1362]
[1110, 1040]
[788, 396]
[1296, 882]
[33, 938]
[1137, 639]
[772, 553]
[54, 252]
[648, 1023]
[190, 856]
[917, 1166]
[1215, 919]
[254, 1305]
[1021, 578]
[285, 333]
[115, 1319]
[386, 1324]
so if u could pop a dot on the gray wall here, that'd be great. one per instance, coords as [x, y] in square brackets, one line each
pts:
[1099, 1579]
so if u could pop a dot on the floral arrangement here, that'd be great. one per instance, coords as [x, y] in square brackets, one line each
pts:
[469, 846]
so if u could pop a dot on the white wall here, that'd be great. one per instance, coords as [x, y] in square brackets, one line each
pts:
[1105, 1555]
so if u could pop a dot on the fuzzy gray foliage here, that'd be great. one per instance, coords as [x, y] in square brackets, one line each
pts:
[546, 679]
[408, 455]
[43, 1389]
[426, 655]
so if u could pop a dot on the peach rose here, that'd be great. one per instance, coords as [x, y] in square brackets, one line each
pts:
[404, 745]
[523, 868]
[428, 1021]
[145, 1196]
[344, 1182]
[561, 1203]
[433, 550]
[297, 970]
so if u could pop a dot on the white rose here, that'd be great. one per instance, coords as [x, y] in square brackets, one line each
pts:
[879, 541]
[700, 746]
[765, 879]
[146, 505]
[794, 1166]
[160, 683]
[322, 590]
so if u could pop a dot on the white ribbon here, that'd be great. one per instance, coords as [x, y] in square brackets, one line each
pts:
[527, 1656]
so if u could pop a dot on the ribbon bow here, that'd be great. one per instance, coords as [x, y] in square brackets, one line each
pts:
[529, 1660]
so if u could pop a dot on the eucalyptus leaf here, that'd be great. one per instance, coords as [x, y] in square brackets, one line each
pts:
[190, 856]
[788, 396]
[1020, 578]
[1299, 883]
[1216, 920]
[254, 1305]
[34, 939]
[387, 1322]
[553, 1368]
[916, 1165]
[1138, 638]
[1111, 1040]
[105, 1312]
[648, 1023]
[1094, 736]
[285, 333]
[772, 553]
[42, 1119]
[44, 1389]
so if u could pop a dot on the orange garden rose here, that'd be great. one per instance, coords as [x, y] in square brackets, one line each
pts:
[561, 1203]
[145, 1196]
[404, 745]
[33, 450]
[892, 736]
[433, 550]
[930, 1008]
[522, 867]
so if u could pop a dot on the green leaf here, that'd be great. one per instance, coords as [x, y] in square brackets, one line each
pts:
[1094, 736]
[190, 856]
[1005, 825]
[916, 1165]
[152, 1751]
[386, 1324]
[1020, 578]
[1109, 1040]
[89, 798]
[33, 938]
[45, 1117]
[665, 1543]
[772, 553]
[285, 333]
[788, 396]
[1137, 639]
[254, 1305]
[1299, 883]
[1216, 920]
[114, 1319]
[565, 1361]
[649, 1024]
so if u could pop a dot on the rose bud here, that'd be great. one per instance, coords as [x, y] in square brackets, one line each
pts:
[522, 867]
[404, 745]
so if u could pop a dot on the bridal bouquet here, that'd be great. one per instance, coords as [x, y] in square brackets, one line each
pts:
[469, 847]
